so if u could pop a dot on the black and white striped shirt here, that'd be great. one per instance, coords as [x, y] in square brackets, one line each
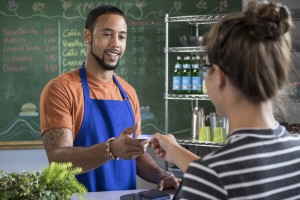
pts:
[254, 164]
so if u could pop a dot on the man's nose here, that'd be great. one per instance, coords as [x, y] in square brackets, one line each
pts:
[114, 41]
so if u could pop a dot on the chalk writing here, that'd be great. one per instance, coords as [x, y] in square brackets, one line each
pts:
[19, 31]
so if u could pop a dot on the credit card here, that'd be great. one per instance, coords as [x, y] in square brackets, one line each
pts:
[144, 137]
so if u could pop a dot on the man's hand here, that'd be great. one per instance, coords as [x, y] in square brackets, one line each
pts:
[127, 147]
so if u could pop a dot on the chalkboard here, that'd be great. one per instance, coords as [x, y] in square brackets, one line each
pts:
[43, 39]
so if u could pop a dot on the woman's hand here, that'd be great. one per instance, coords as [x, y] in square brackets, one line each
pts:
[163, 145]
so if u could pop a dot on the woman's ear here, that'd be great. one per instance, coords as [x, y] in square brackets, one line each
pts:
[220, 76]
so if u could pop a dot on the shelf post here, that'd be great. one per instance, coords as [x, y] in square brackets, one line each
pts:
[167, 71]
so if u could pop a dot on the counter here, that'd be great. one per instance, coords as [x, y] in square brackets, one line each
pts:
[112, 195]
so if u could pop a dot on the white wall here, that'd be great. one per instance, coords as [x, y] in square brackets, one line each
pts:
[36, 159]
[23, 159]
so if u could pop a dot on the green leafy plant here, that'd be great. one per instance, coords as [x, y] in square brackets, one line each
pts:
[57, 181]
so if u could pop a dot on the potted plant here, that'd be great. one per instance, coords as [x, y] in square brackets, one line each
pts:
[57, 181]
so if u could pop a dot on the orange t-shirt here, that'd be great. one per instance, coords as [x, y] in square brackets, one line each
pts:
[62, 102]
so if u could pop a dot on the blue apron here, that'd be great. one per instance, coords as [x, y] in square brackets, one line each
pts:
[102, 120]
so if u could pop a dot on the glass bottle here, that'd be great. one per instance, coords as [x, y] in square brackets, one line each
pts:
[186, 76]
[204, 89]
[177, 76]
[196, 76]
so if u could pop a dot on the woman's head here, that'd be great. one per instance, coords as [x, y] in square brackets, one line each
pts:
[253, 49]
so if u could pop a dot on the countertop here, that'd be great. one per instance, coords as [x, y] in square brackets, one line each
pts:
[112, 195]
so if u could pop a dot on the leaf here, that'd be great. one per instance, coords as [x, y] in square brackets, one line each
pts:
[57, 181]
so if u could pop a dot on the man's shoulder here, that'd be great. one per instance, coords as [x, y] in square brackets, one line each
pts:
[69, 80]
[124, 83]
[68, 76]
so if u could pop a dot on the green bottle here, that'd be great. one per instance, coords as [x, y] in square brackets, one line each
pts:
[196, 77]
[177, 76]
[187, 76]
[204, 89]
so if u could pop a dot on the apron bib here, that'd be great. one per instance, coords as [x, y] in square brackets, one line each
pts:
[103, 119]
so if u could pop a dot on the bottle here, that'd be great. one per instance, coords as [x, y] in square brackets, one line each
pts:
[177, 76]
[195, 122]
[186, 76]
[204, 89]
[196, 78]
[200, 61]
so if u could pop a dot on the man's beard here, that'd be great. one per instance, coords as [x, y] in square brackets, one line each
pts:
[101, 62]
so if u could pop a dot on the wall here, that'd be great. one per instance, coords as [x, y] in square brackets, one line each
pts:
[36, 159]
[19, 160]
[32, 57]
[41, 40]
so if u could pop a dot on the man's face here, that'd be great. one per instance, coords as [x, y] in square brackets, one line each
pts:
[108, 41]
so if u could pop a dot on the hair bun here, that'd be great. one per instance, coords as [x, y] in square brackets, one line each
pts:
[267, 21]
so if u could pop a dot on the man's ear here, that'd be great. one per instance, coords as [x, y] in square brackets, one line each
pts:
[87, 36]
[220, 76]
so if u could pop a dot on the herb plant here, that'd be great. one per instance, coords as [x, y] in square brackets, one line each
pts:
[57, 181]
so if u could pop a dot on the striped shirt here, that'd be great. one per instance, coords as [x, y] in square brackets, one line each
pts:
[253, 164]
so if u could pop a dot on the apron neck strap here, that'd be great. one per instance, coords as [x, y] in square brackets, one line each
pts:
[85, 84]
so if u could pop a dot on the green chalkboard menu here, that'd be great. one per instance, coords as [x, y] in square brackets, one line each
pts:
[42, 39]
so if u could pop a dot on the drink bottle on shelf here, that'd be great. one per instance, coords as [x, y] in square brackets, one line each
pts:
[186, 76]
[177, 76]
[196, 76]
[204, 89]
[200, 61]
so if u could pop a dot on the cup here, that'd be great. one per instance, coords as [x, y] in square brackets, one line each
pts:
[220, 135]
[296, 88]
[219, 127]
[205, 134]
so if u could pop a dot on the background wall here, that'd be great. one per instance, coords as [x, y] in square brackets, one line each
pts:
[36, 159]
[40, 40]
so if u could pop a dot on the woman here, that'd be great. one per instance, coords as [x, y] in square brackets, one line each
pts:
[250, 57]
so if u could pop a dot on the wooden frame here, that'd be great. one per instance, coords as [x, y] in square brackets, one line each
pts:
[21, 145]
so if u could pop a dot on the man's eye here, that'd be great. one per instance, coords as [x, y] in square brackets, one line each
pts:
[122, 37]
[107, 34]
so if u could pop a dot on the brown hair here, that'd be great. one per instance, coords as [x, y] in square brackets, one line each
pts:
[253, 49]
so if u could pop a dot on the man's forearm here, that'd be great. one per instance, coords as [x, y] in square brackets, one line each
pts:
[147, 168]
[58, 144]
[87, 158]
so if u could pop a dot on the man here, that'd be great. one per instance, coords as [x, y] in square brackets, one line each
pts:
[85, 114]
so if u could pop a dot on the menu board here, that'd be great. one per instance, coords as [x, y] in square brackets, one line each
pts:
[42, 39]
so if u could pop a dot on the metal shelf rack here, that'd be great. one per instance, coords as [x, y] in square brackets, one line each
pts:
[198, 143]
[290, 98]
[194, 20]
[187, 97]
